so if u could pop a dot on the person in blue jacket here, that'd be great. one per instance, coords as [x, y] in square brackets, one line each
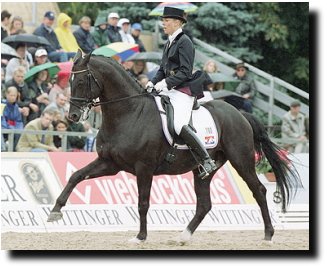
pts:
[11, 117]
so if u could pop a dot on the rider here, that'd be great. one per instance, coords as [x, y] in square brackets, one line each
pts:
[174, 79]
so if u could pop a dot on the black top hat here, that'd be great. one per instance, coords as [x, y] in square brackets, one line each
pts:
[171, 12]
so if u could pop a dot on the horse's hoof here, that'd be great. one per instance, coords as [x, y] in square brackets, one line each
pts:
[135, 240]
[54, 216]
[185, 237]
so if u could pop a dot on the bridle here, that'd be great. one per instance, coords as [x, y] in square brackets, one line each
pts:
[85, 104]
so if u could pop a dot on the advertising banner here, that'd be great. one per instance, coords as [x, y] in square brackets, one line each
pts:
[31, 182]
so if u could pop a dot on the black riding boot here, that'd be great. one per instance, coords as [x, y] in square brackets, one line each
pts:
[208, 165]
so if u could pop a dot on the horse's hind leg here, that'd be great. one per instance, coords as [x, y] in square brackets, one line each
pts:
[99, 167]
[258, 190]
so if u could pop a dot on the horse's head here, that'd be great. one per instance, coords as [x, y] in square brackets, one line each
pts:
[84, 87]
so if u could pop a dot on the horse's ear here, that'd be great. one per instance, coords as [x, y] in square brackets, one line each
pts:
[78, 56]
[86, 59]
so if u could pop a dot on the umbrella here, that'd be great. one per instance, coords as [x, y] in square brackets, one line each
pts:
[117, 50]
[7, 52]
[186, 6]
[29, 39]
[52, 68]
[146, 56]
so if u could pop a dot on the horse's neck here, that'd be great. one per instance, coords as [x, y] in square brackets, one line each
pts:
[117, 82]
[118, 85]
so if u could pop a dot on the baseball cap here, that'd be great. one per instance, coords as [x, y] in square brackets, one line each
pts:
[123, 21]
[50, 15]
[40, 52]
[137, 26]
[113, 15]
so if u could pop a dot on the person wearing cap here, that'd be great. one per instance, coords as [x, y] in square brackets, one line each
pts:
[113, 29]
[100, 33]
[246, 88]
[126, 37]
[83, 35]
[55, 51]
[40, 57]
[64, 33]
[136, 32]
[175, 79]
[294, 129]
[5, 21]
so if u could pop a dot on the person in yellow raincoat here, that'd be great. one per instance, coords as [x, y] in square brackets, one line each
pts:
[64, 34]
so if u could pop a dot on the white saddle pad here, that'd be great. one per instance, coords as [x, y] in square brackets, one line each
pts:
[202, 121]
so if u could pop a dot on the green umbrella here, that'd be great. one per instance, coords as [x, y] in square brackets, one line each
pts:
[52, 68]
[105, 51]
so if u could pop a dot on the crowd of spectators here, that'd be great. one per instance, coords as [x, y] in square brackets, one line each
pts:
[42, 104]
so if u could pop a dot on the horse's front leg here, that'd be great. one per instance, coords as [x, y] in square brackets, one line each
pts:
[144, 182]
[99, 167]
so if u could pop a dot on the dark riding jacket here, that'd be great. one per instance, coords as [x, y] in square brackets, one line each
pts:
[177, 65]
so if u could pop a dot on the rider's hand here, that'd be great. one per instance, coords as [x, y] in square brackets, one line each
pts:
[149, 86]
[161, 86]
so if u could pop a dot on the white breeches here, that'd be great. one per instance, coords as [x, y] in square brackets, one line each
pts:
[183, 105]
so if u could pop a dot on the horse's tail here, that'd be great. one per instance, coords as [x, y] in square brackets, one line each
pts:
[287, 178]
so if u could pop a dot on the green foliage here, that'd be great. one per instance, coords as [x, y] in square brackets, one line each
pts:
[263, 166]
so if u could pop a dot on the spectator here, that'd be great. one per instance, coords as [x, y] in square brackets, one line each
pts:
[40, 57]
[38, 143]
[126, 37]
[75, 143]
[113, 30]
[211, 67]
[37, 93]
[17, 26]
[143, 80]
[11, 117]
[83, 35]
[15, 62]
[58, 105]
[5, 20]
[64, 34]
[18, 82]
[294, 129]
[138, 68]
[60, 126]
[55, 51]
[61, 86]
[3, 84]
[246, 88]
[100, 33]
[90, 140]
[95, 117]
[136, 32]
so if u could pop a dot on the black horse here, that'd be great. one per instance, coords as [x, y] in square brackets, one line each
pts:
[131, 140]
